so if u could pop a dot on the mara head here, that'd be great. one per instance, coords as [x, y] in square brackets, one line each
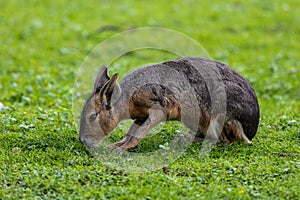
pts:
[98, 116]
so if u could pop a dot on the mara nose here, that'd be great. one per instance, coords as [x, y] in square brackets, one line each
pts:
[87, 142]
[80, 140]
[83, 141]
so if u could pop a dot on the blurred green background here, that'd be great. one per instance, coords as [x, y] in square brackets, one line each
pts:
[43, 43]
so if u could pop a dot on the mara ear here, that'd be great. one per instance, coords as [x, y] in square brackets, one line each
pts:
[101, 78]
[108, 94]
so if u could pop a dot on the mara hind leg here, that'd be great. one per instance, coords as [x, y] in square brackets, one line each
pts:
[199, 137]
[212, 131]
[233, 130]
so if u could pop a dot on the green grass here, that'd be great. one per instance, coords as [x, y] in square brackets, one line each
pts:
[43, 43]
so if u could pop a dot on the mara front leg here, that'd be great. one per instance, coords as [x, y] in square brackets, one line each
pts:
[139, 129]
[133, 127]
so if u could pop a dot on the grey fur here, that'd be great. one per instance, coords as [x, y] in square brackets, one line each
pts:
[187, 89]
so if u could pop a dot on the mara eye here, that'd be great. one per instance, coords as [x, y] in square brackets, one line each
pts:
[93, 117]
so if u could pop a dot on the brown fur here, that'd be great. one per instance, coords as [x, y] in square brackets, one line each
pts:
[173, 90]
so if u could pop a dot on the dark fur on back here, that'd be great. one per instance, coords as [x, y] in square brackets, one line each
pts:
[242, 103]
[199, 92]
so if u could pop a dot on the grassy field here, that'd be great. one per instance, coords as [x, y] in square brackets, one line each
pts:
[43, 43]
